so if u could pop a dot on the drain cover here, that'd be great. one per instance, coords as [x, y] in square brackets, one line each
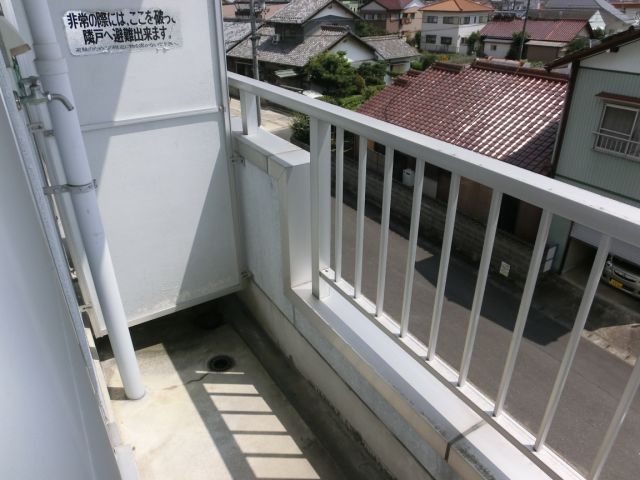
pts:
[221, 363]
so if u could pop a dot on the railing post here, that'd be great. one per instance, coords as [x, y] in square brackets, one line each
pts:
[574, 339]
[249, 112]
[416, 208]
[362, 186]
[384, 228]
[320, 157]
[447, 238]
[339, 199]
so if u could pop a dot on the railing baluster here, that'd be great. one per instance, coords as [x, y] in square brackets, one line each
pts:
[384, 228]
[339, 200]
[574, 339]
[616, 422]
[481, 282]
[362, 185]
[320, 156]
[416, 207]
[445, 253]
[523, 311]
[249, 112]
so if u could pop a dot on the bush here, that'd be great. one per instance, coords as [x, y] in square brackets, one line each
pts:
[514, 49]
[577, 44]
[334, 73]
[366, 29]
[372, 73]
[300, 128]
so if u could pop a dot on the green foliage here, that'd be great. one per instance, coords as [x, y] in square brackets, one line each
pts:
[415, 41]
[473, 41]
[514, 49]
[599, 34]
[577, 44]
[300, 128]
[333, 73]
[366, 29]
[372, 73]
[425, 61]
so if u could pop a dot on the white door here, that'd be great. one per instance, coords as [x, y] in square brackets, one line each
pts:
[156, 135]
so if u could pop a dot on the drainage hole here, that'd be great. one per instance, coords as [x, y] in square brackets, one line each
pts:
[221, 363]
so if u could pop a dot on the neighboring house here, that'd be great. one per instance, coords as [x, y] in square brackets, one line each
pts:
[393, 50]
[234, 33]
[546, 39]
[295, 34]
[614, 19]
[508, 113]
[599, 140]
[394, 16]
[447, 24]
[593, 16]
[631, 9]
[282, 62]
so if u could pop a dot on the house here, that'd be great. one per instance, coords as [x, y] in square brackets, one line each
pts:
[614, 19]
[593, 16]
[630, 8]
[508, 113]
[546, 39]
[394, 16]
[282, 59]
[599, 141]
[393, 50]
[447, 24]
[295, 34]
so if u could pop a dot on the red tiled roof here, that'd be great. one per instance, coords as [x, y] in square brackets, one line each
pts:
[508, 113]
[457, 6]
[549, 30]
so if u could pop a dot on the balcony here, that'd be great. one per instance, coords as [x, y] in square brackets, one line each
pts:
[359, 349]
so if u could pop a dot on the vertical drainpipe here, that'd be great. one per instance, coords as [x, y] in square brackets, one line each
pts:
[52, 69]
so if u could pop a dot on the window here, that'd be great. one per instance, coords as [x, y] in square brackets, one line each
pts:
[483, 19]
[466, 20]
[451, 20]
[494, 47]
[432, 19]
[430, 39]
[463, 40]
[619, 131]
[445, 40]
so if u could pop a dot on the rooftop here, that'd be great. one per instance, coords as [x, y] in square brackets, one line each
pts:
[300, 11]
[508, 113]
[391, 4]
[283, 53]
[456, 6]
[547, 30]
[390, 47]
[235, 32]
[602, 5]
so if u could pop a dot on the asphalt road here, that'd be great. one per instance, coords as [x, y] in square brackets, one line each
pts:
[595, 382]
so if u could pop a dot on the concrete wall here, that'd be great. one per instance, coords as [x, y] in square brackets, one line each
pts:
[357, 52]
[51, 423]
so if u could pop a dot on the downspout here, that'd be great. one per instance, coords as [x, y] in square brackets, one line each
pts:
[52, 69]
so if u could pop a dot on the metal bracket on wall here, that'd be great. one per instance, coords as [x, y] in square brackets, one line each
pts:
[237, 159]
[73, 189]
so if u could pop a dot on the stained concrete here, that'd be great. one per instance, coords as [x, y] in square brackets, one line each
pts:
[197, 424]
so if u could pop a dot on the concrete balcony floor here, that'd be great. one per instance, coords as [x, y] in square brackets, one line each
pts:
[199, 424]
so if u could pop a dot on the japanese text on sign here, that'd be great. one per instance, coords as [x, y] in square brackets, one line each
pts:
[89, 33]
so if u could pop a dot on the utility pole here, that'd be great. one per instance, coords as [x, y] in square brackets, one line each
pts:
[254, 48]
[524, 30]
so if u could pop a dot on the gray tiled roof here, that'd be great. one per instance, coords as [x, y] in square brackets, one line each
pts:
[390, 47]
[283, 53]
[299, 11]
[605, 8]
[235, 32]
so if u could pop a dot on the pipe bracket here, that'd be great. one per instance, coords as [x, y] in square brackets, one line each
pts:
[73, 189]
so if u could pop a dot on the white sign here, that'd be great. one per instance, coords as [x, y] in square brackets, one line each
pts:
[90, 33]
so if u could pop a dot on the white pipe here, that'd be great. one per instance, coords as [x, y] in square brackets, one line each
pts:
[52, 69]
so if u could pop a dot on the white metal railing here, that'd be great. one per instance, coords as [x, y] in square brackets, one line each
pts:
[612, 143]
[612, 218]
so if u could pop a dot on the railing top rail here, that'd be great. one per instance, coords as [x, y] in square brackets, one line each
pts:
[620, 220]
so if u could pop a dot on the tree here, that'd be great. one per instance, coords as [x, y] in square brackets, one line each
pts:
[333, 73]
[577, 44]
[366, 29]
[599, 34]
[373, 73]
[415, 41]
[425, 61]
[473, 42]
[514, 49]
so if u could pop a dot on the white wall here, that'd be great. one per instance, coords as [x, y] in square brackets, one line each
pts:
[50, 423]
[355, 50]
[456, 32]
[624, 60]
[501, 49]
[332, 10]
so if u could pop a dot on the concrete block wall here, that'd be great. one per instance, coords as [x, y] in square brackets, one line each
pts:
[468, 237]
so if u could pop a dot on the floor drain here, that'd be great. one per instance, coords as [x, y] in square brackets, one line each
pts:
[221, 363]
